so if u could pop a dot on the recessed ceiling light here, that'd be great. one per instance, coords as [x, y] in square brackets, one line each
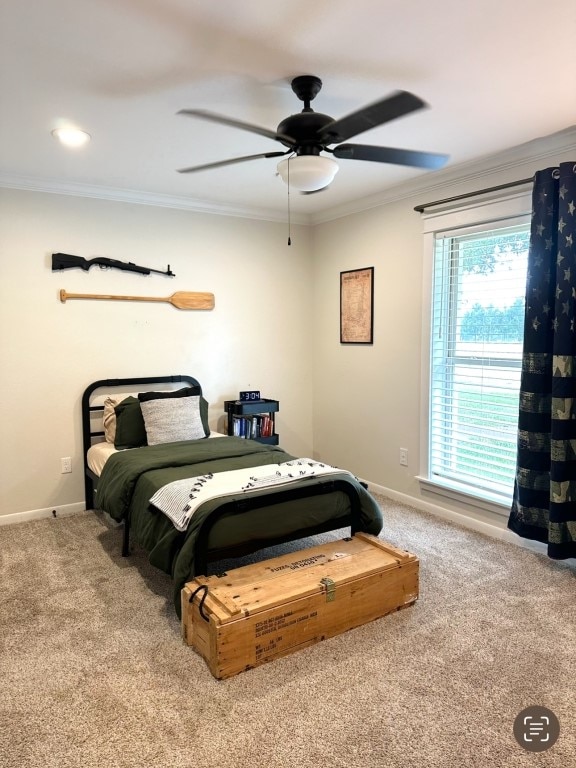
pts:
[71, 137]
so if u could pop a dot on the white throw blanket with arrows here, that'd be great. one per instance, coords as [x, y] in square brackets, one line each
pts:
[180, 499]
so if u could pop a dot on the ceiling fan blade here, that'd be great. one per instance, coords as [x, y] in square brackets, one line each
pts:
[233, 160]
[233, 123]
[398, 104]
[390, 155]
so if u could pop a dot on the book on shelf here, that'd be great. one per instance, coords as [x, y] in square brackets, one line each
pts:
[252, 427]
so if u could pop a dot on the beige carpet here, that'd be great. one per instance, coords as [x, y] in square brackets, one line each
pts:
[93, 671]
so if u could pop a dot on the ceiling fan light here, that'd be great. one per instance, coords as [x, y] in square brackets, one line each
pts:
[308, 173]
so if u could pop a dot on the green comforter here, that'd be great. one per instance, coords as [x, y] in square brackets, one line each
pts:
[130, 478]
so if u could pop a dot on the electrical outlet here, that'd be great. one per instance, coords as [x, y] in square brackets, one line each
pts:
[404, 457]
[66, 465]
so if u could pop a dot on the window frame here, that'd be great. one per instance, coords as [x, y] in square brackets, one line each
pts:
[513, 208]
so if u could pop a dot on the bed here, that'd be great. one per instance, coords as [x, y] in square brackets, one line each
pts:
[125, 469]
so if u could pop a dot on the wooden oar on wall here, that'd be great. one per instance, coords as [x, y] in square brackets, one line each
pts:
[180, 299]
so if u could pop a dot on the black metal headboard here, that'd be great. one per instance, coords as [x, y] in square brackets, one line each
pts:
[89, 433]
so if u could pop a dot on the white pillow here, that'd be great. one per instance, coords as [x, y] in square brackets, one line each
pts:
[171, 419]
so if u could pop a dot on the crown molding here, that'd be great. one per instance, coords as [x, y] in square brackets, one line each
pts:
[509, 160]
[53, 186]
[429, 185]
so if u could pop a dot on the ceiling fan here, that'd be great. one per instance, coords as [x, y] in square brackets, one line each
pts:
[308, 133]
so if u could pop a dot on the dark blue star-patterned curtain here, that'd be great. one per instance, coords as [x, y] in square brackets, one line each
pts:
[544, 502]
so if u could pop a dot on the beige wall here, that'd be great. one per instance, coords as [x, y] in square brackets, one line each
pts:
[256, 337]
[367, 396]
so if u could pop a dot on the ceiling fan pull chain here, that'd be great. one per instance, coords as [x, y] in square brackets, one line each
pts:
[288, 185]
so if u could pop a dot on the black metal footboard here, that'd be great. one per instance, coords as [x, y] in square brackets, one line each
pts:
[240, 506]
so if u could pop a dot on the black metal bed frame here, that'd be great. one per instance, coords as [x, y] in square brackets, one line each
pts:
[88, 434]
[202, 556]
[201, 550]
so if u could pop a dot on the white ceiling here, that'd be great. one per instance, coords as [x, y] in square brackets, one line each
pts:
[496, 74]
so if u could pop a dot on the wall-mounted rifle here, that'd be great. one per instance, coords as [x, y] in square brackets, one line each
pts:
[68, 261]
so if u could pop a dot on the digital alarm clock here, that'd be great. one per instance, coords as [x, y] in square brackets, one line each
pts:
[251, 394]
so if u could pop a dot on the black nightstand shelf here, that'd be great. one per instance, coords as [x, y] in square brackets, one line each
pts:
[254, 419]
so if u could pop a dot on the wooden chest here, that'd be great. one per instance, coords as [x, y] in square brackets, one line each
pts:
[260, 612]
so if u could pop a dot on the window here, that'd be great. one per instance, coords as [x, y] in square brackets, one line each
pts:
[478, 283]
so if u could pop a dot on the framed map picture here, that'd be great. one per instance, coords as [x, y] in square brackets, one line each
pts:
[357, 306]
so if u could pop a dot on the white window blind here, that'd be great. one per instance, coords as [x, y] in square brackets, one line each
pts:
[479, 279]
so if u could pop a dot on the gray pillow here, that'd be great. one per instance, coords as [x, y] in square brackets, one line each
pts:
[168, 420]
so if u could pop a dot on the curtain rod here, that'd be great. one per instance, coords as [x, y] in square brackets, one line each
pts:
[421, 208]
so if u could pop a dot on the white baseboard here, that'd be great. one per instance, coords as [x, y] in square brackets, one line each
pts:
[504, 534]
[412, 501]
[64, 510]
